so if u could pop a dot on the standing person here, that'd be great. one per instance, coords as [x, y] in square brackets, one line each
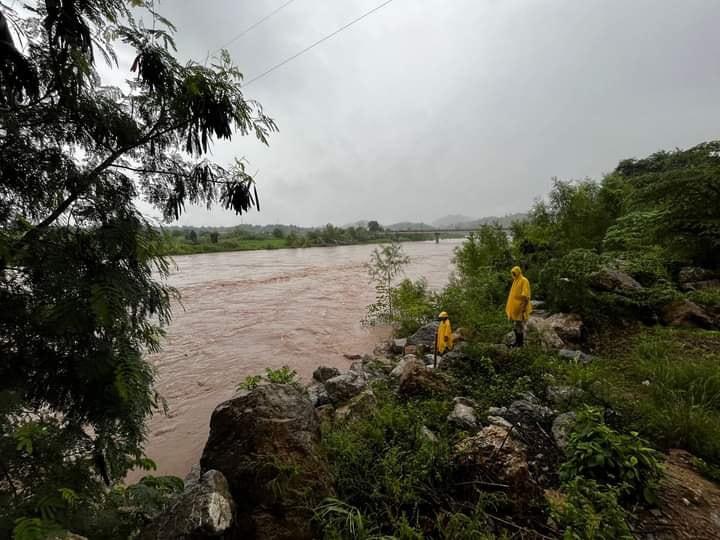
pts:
[518, 307]
[443, 337]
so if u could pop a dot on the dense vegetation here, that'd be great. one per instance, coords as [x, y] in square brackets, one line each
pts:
[650, 388]
[188, 240]
[78, 262]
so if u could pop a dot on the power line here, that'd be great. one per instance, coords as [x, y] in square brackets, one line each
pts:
[256, 24]
[318, 42]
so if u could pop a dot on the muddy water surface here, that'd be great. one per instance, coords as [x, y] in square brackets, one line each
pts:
[245, 311]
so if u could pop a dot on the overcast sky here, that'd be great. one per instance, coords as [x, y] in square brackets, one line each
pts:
[435, 107]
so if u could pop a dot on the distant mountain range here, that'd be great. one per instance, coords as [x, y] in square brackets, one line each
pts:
[463, 222]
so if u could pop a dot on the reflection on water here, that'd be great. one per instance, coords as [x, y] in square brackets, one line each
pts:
[245, 311]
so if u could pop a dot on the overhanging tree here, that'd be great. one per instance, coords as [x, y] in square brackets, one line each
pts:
[80, 301]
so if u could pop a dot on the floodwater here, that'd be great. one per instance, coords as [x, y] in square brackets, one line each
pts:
[245, 311]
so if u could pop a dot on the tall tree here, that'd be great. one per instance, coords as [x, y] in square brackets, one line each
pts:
[81, 305]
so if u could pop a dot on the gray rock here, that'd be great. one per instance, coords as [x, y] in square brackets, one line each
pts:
[611, 280]
[463, 415]
[253, 440]
[345, 386]
[398, 346]
[562, 395]
[546, 334]
[685, 313]
[358, 406]
[576, 356]
[398, 369]
[495, 455]
[499, 421]
[204, 509]
[691, 274]
[425, 335]
[417, 380]
[323, 373]
[428, 434]
[193, 477]
[497, 411]
[318, 394]
[562, 428]
[525, 411]
[568, 326]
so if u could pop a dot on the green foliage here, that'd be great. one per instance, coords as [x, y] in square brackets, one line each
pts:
[587, 510]
[414, 306]
[283, 375]
[250, 383]
[711, 472]
[82, 289]
[386, 466]
[597, 452]
[564, 282]
[386, 263]
[488, 249]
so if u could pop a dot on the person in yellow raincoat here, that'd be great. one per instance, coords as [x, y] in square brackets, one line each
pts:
[443, 337]
[518, 307]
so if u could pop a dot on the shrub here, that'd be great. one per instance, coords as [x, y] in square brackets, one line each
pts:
[597, 452]
[283, 375]
[564, 282]
[586, 510]
[413, 306]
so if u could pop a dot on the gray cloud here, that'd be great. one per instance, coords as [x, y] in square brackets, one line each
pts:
[435, 107]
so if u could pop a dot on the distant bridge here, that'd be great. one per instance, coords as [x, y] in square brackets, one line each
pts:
[438, 232]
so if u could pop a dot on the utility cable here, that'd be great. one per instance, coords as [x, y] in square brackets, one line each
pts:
[318, 42]
[256, 24]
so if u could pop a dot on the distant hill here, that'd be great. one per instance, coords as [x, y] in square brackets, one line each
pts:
[409, 226]
[449, 222]
[463, 222]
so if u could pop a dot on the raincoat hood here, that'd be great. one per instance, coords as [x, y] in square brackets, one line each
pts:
[516, 272]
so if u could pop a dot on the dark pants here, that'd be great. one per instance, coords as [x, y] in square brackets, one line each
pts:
[519, 330]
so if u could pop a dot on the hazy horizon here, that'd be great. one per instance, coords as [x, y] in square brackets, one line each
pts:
[434, 108]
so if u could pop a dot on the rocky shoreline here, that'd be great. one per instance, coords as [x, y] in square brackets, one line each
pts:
[262, 472]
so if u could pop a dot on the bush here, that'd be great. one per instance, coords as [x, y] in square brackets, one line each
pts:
[586, 510]
[597, 452]
[564, 282]
[413, 306]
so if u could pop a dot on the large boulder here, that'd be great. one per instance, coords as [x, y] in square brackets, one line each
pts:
[265, 443]
[418, 380]
[425, 335]
[683, 312]
[203, 510]
[323, 373]
[318, 395]
[345, 386]
[358, 406]
[494, 455]
[568, 327]
[610, 280]
[464, 415]
[527, 410]
[546, 334]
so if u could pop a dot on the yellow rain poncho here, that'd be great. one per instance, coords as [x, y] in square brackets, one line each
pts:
[518, 306]
[444, 340]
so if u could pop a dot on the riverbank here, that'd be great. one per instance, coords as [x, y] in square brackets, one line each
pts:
[493, 443]
[255, 244]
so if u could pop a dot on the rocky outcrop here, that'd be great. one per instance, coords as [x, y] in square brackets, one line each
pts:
[545, 333]
[360, 405]
[203, 510]
[323, 373]
[318, 395]
[527, 409]
[264, 442]
[568, 327]
[418, 380]
[345, 386]
[464, 415]
[425, 336]
[610, 280]
[683, 312]
[696, 279]
[494, 455]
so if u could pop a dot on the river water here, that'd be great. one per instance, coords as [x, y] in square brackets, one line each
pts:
[244, 311]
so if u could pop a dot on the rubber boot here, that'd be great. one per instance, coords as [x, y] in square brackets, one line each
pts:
[519, 339]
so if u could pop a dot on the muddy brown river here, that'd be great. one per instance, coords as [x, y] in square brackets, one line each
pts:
[244, 311]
